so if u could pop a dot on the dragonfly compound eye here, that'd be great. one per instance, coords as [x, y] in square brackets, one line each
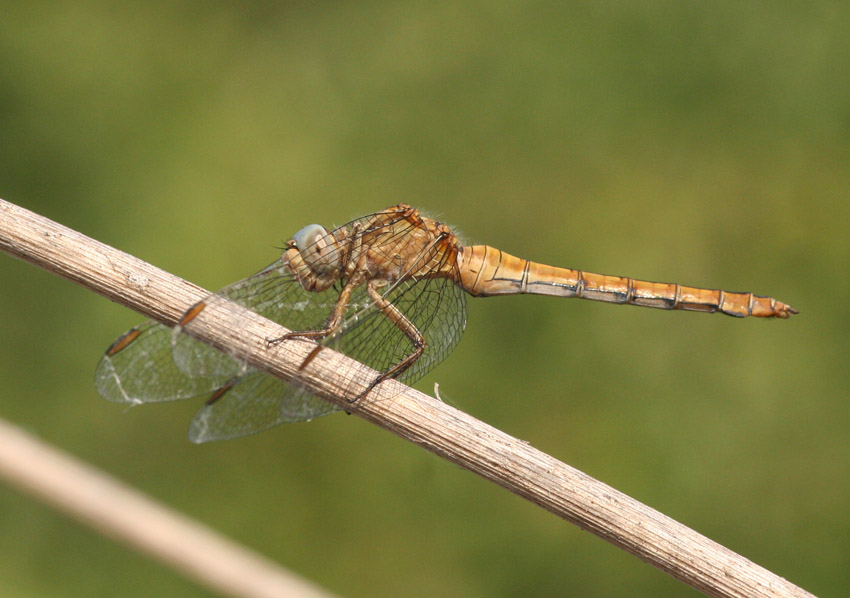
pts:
[318, 248]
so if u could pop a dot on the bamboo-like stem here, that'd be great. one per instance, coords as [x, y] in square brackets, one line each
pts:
[123, 513]
[513, 464]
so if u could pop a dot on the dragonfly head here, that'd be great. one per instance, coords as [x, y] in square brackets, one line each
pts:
[318, 248]
[314, 257]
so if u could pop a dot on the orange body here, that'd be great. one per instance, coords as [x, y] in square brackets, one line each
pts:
[487, 271]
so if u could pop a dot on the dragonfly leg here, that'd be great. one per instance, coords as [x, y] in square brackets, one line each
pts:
[405, 325]
[332, 324]
[358, 257]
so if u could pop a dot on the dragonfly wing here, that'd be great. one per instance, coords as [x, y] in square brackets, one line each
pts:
[272, 293]
[138, 368]
[253, 401]
[436, 306]
[252, 404]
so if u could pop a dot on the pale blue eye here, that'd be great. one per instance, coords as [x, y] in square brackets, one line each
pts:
[318, 248]
[308, 235]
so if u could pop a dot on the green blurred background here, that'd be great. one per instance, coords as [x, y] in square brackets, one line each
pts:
[702, 143]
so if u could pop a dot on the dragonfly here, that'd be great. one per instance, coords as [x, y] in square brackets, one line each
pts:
[388, 290]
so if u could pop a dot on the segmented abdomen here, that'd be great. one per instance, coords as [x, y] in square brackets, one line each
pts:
[486, 271]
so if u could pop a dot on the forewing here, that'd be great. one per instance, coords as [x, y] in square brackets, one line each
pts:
[254, 400]
[138, 368]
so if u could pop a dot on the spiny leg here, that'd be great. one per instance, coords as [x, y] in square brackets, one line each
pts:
[355, 279]
[332, 325]
[409, 329]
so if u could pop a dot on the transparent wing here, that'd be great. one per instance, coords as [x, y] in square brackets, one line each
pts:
[254, 401]
[153, 363]
[138, 368]
[437, 307]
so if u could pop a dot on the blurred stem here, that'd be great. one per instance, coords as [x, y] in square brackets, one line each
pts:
[125, 514]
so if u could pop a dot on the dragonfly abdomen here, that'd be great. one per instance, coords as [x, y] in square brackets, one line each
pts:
[486, 271]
